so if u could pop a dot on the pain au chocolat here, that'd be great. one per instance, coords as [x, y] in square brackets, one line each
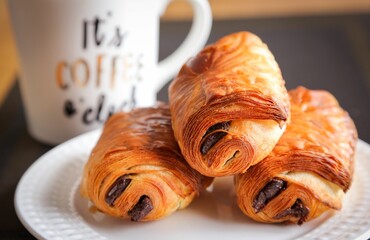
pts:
[229, 105]
[136, 169]
[310, 168]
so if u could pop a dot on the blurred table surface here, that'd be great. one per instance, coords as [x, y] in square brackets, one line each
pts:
[319, 52]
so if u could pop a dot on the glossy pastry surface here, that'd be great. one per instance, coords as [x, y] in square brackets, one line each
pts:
[229, 105]
[311, 167]
[136, 169]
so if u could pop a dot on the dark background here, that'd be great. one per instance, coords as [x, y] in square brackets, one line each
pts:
[331, 53]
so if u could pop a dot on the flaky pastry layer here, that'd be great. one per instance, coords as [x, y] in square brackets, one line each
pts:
[136, 169]
[310, 168]
[229, 105]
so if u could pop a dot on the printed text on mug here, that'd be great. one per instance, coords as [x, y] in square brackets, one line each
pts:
[105, 70]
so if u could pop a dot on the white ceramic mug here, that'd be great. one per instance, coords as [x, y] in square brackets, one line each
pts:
[82, 60]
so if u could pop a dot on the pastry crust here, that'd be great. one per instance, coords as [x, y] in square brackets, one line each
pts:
[237, 83]
[138, 149]
[314, 157]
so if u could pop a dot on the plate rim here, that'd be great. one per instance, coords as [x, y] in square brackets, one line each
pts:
[37, 162]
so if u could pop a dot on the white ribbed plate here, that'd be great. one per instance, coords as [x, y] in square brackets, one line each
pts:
[48, 203]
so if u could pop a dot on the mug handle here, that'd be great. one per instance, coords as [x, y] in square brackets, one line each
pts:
[195, 40]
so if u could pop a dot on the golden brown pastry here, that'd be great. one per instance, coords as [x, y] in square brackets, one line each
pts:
[310, 168]
[136, 169]
[229, 105]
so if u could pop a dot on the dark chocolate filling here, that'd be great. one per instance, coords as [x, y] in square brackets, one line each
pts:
[212, 136]
[298, 210]
[117, 189]
[271, 190]
[141, 209]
